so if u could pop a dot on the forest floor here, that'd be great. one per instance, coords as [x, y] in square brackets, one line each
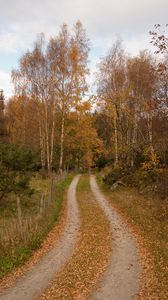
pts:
[95, 257]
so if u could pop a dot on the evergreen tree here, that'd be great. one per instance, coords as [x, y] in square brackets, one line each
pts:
[2, 117]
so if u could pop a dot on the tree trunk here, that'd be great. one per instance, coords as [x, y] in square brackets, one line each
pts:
[134, 140]
[42, 147]
[115, 139]
[52, 135]
[41, 140]
[150, 135]
[47, 137]
[62, 141]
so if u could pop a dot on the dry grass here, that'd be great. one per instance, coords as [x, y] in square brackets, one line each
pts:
[13, 234]
[48, 243]
[18, 240]
[91, 255]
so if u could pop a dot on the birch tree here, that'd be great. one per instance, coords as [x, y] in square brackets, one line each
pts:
[68, 55]
[32, 80]
[53, 75]
[111, 86]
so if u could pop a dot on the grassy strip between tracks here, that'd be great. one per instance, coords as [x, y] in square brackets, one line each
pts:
[91, 255]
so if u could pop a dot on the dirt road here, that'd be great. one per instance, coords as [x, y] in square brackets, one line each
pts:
[121, 279]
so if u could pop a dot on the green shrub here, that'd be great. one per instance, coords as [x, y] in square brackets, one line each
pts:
[114, 175]
[16, 164]
[153, 182]
[101, 162]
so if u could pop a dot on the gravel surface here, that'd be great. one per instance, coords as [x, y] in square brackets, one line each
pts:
[121, 279]
[34, 282]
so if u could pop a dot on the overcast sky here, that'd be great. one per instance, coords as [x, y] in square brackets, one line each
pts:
[104, 20]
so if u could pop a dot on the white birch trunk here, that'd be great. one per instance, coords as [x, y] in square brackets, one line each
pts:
[150, 135]
[52, 135]
[62, 141]
[47, 137]
[115, 138]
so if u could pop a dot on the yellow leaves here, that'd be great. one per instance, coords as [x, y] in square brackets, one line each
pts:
[81, 137]
[83, 108]
[151, 159]
[74, 53]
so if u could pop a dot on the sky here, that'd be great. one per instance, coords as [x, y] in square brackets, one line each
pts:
[105, 21]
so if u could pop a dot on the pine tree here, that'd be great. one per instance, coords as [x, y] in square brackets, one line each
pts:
[2, 117]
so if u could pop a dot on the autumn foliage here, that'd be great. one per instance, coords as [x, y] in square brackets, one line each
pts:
[123, 124]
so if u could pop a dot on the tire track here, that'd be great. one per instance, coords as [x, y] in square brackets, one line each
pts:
[121, 279]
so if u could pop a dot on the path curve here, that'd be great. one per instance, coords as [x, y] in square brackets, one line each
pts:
[121, 279]
[31, 285]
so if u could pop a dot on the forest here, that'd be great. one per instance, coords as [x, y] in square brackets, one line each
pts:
[53, 126]
[53, 123]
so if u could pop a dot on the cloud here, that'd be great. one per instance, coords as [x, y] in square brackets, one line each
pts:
[10, 42]
[105, 21]
[5, 83]
[102, 18]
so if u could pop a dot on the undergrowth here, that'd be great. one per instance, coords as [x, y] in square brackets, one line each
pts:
[18, 241]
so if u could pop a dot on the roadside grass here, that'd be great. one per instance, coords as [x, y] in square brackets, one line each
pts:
[150, 217]
[29, 202]
[19, 241]
[91, 254]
